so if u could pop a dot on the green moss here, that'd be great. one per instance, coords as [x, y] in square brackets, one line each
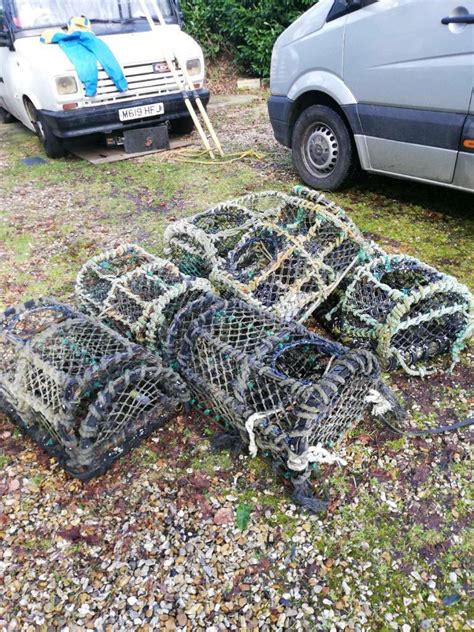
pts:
[212, 461]
[397, 444]
[40, 544]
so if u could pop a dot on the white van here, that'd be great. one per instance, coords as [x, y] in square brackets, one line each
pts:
[382, 85]
[40, 87]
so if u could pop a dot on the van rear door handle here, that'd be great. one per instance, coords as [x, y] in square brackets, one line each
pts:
[459, 19]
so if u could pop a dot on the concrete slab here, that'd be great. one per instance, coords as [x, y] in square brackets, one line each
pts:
[248, 84]
[232, 99]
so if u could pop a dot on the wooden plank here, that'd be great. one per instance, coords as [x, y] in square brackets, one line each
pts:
[98, 155]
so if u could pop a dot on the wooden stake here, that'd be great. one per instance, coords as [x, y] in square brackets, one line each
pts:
[187, 83]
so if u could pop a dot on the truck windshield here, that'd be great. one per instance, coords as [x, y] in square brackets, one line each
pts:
[105, 15]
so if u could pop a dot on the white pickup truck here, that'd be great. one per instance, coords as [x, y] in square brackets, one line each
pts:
[40, 87]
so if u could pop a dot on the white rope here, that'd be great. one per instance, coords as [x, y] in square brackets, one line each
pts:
[250, 427]
[314, 454]
[381, 405]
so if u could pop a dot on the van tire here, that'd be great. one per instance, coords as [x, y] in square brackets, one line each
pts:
[183, 125]
[324, 153]
[53, 146]
[5, 117]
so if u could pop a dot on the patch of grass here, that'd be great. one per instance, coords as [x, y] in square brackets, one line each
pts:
[416, 223]
[20, 243]
[5, 459]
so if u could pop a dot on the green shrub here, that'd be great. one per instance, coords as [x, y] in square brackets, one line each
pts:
[246, 30]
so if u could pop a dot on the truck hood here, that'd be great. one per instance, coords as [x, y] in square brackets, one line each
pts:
[310, 22]
[128, 48]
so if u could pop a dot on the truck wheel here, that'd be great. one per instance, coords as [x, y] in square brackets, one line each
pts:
[53, 146]
[324, 154]
[183, 125]
[6, 117]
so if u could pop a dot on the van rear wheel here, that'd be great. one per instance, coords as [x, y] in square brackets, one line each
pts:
[324, 154]
[6, 117]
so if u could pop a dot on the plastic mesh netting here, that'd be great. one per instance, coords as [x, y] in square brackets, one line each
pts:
[140, 294]
[404, 310]
[283, 253]
[288, 392]
[83, 392]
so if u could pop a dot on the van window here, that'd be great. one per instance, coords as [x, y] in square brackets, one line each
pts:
[339, 8]
[343, 7]
[33, 14]
[3, 26]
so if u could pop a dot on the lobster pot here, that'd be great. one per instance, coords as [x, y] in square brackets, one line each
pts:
[97, 276]
[291, 265]
[142, 303]
[197, 244]
[286, 391]
[406, 311]
[84, 393]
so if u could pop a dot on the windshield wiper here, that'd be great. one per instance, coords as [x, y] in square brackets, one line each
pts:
[118, 21]
[104, 21]
[137, 17]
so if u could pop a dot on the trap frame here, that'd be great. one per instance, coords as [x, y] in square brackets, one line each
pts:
[84, 393]
[405, 311]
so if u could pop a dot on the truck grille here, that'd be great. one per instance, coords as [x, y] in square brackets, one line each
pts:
[143, 81]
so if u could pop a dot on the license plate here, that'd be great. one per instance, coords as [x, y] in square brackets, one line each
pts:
[141, 111]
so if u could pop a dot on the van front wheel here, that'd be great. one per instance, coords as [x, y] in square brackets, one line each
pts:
[323, 150]
[53, 146]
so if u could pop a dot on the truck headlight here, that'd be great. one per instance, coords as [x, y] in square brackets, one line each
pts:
[194, 67]
[66, 85]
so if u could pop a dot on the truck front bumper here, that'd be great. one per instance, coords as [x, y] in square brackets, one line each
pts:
[279, 111]
[105, 118]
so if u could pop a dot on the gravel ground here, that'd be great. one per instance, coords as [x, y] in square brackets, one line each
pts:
[178, 537]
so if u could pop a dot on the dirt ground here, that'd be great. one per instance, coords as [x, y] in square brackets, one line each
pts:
[155, 543]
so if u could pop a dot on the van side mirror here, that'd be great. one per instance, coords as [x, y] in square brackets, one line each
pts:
[179, 13]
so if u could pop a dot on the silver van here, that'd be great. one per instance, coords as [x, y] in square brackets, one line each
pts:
[382, 85]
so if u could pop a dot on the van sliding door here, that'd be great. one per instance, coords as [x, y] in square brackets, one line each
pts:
[412, 75]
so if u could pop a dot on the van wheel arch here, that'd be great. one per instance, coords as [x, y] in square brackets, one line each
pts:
[316, 97]
[53, 146]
